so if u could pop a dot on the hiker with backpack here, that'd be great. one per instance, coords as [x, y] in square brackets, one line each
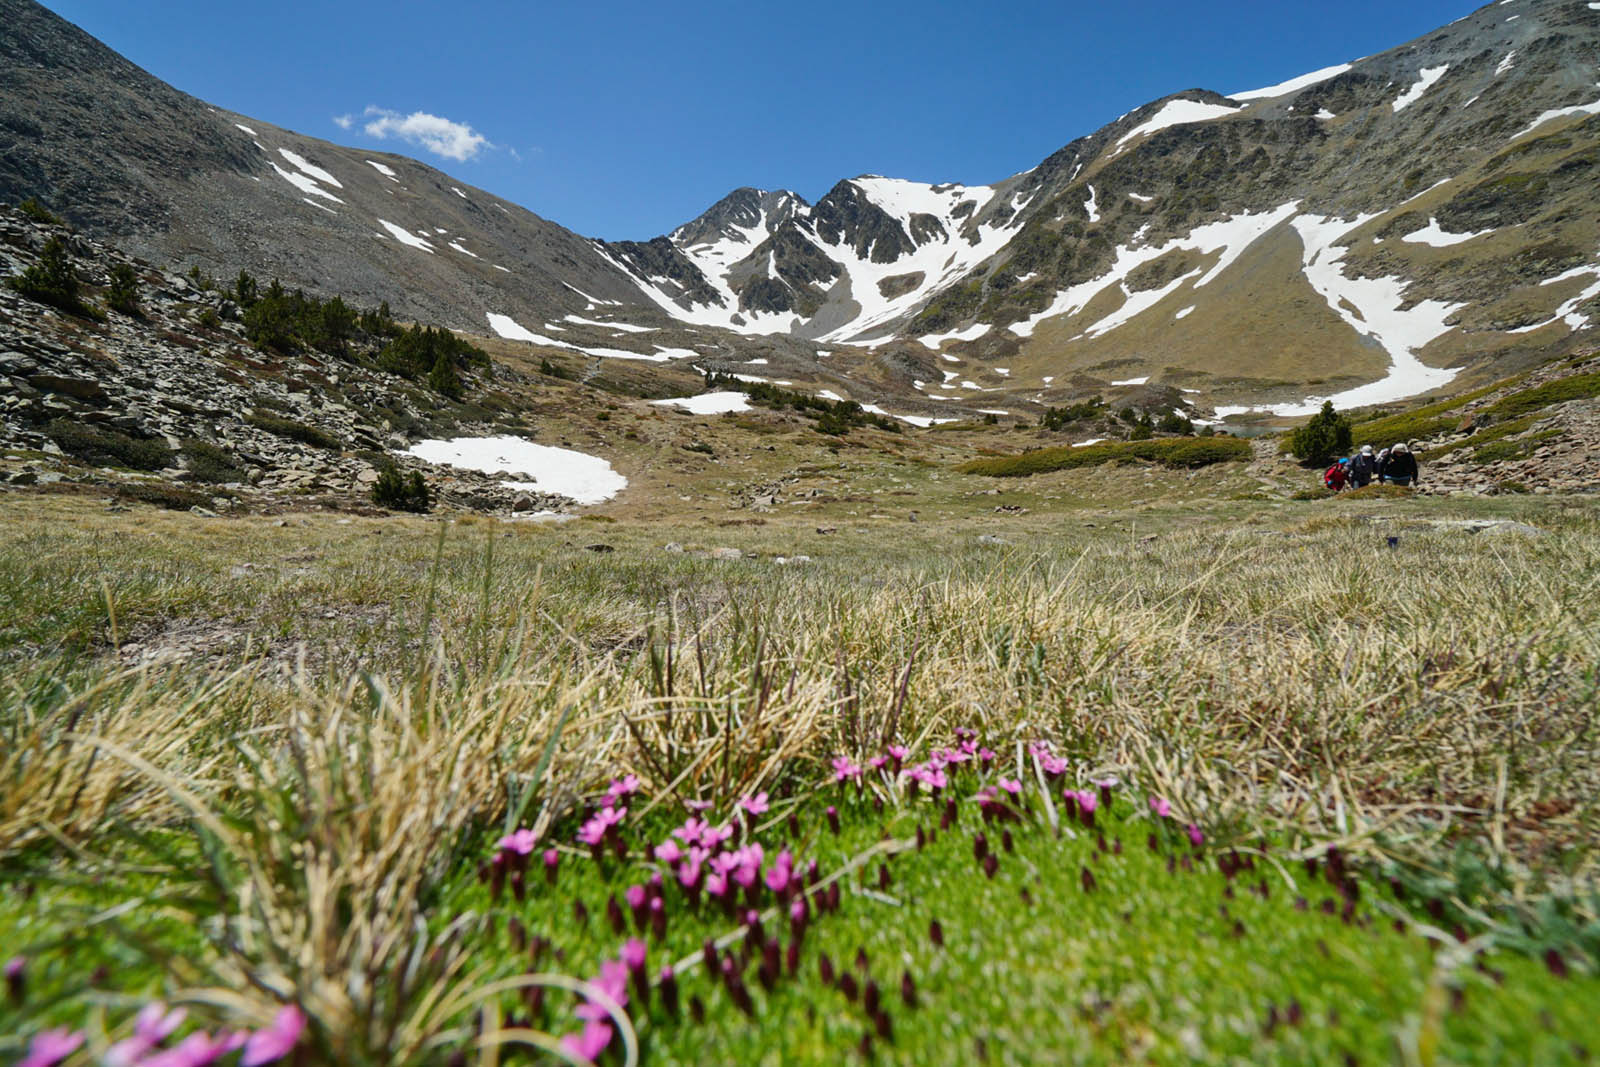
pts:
[1363, 468]
[1337, 475]
[1399, 467]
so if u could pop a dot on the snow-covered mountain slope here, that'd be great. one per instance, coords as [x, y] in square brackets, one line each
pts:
[1382, 226]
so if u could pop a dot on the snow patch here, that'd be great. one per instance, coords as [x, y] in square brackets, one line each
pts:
[1185, 313]
[1086, 444]
[1559, 113]
[1293, 84]
[1090, 206]
[509, 328]
[305, 166]
[1506, 63]
[971, 333]
[1139, 198]
[246, 129]
[303, 183]
[584, 478]
[708, 403]
[1425, 81]
[383, 170]
[625, 327]
[1177, 113]
[1436, 236]
[405, 236]
[463, 251]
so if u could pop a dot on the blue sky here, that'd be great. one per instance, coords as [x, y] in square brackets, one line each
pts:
[624, 119]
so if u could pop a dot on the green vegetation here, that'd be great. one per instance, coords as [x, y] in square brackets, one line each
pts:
[107, 447]
[1421, 422]
[38, 212]
[401, 491]
[1186, 814]
[1062, 417]
[52, 280]
[1573, 387]
[1322, 438]
[1521, 448]
[294, 431]
[211, 463]
[162, 495]
[1182, 453]
[834, 417]
[288, 321]
[123, 293]
[434, 353]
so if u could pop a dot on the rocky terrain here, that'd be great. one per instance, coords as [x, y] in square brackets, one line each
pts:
[248, 428]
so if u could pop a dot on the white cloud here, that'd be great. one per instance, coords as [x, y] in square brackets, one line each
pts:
[452, 140]
[344, 122]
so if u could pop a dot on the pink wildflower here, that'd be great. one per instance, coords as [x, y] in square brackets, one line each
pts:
[956, 755]
[668, 851]
[692, 831]
[199, 1049]
[521, 842]
[277, 1040]
[610, 817]
[1088, 800]
[716, 884]
[755, 805]
[985, 756]
[781, 873]
[1011, 785]
[1161, 807]
[877, 763]
[697, 806]
[714, 836]
[50, 1047]
[621, 789]
[845, 769]
[633, 954]
[591, 1042]
[898, 753]
[613, 982]
[1054, 766]
[592, 832]
[153, 1026]
[1196, 837]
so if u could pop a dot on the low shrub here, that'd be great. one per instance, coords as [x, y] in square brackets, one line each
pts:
[294, 431]
[38, 212]
[1325, 436]
[400, 491]
[1521, 448]
[211, 463]
[1176, 452]
[108, 448]
[163, 495]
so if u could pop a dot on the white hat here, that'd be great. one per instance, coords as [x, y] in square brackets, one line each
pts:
[1400, 446]
[1366, 450]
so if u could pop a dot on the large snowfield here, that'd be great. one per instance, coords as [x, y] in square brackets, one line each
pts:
[528, 466]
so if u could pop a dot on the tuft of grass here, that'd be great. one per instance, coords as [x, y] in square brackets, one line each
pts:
[293, 430]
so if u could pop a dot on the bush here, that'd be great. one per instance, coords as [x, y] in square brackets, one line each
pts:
[1062, 417]
[123, 295]
[1324, 437]
[400, 491]
[108, 448]
[211, 463]
[38, 212]
[52, 280]
[435, 353]
[163, 495]
[294, 431]
[1176, 452]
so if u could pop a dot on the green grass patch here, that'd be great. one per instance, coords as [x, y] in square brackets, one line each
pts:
[1573, 387]
[1179, 453]
[1521, 448]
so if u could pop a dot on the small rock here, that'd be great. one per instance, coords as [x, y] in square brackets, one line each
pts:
[789, 561]
[725, 553]
[991, 539]
[827, 529]
[672, 546]
[599, 546]
[204, 513]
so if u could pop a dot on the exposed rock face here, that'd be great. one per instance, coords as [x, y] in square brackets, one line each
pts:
[181, 374]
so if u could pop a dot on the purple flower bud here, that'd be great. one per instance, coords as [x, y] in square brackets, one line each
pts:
[825, 969]
[658, 918]
[922, 838]
[614, 916]
[980, 847]
[580, 914]
[991, 864]
[1088, 880]
[518, 933]
[833, 819]
[708, 956]
[908, 990]
[16, 978]
[848, 986]
[1005, 840]
[936, 933]
[697, 1010]
[552, 861]
[519, 886]
[870, 997]
[883, 876]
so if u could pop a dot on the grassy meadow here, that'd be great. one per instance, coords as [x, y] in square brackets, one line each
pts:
[1135, 775]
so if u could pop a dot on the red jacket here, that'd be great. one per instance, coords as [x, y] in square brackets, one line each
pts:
[1334, 477]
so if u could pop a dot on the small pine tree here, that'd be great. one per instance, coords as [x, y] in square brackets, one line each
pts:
[1323, 437]
[443, 378]
[123, 295]
[52, 280]
[38, 212]
[403, 492]
[245, 291]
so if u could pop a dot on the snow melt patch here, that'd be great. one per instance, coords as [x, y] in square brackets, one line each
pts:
[1507, 63]
[1373, 308]
[1228, 237]
[971, 333]
[584, 478]
[463, 251]
[923, 421]
[1133, 381]
[1560, 113]
[708, 403]
[1436, 236]
[406, 237]
[1425, 81]
[383, 170]
[1086, 444]
[625, 327]
[1177, 113]
[304, 165]
[303, 183]
[1090, 207]
[246, 129]
[1185, 313]
[1293, 84]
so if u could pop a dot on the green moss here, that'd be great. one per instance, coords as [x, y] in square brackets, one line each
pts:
[108, 447]
[1574, 387]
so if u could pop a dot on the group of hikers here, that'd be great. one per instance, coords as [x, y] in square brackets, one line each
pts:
[1392, 466]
